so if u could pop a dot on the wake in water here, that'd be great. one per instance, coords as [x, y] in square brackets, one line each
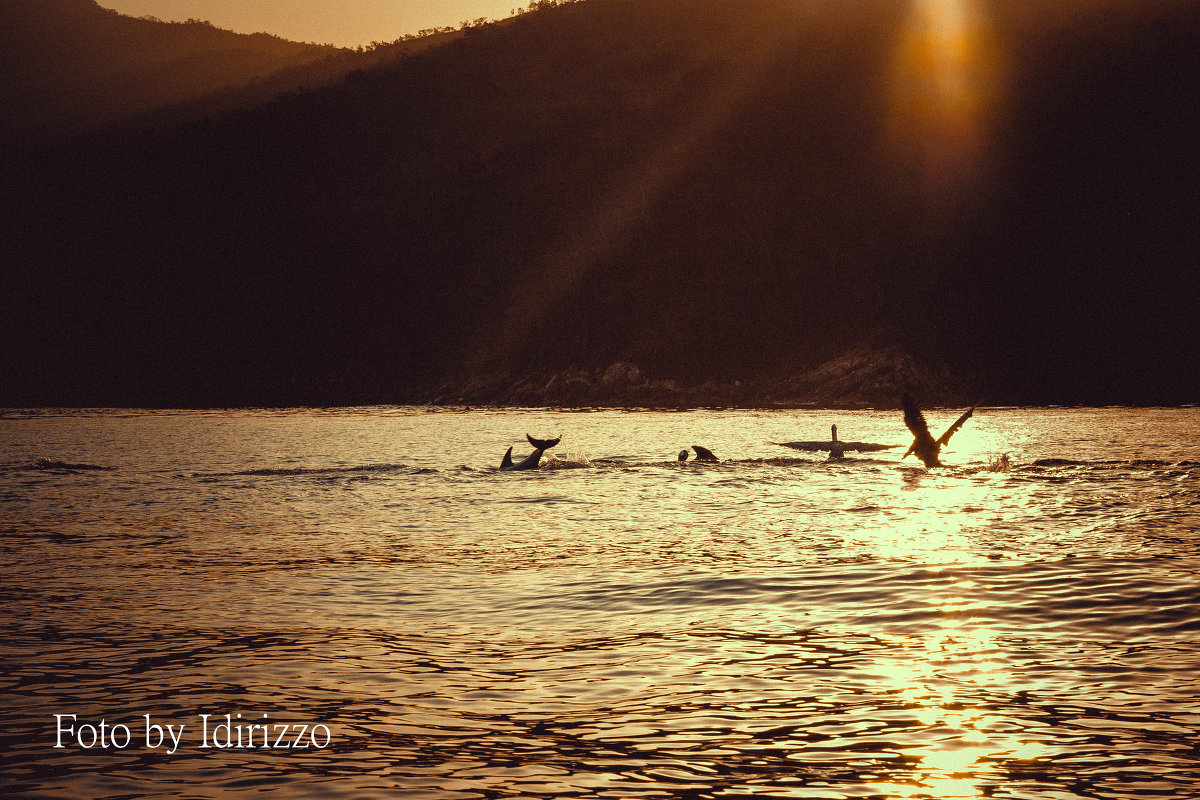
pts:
[50, 465]
[1000, 464]
[1112, 464]
[581, 461]
[288, 471]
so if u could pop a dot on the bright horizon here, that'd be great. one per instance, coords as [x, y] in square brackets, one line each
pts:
[347, 23]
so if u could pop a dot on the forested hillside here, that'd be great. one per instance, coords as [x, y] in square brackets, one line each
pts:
[717, 198]
[70, 65]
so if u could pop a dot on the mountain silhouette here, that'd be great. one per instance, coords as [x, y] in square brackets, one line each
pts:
[616, 201]
[72, 66]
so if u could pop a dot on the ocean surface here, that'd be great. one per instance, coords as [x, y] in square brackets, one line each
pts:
[615, 624]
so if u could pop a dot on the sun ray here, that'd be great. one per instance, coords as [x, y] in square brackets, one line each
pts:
[945, 90]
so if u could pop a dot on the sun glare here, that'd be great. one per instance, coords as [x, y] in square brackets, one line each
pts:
[945, 86]
[944, 684]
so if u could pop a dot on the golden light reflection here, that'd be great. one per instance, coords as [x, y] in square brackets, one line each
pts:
[964, 743]
[945, 90]
[932, 520]
[944, 677]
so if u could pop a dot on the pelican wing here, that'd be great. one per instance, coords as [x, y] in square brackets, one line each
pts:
[811, 447]
[866, 447]
[915, 421]
[958, 423]
[815, 447]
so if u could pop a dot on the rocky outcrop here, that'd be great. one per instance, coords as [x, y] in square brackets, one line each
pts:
[858, 379]
[871, 377]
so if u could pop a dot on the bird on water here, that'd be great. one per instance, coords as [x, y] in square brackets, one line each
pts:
[924, 445]
[837, 448]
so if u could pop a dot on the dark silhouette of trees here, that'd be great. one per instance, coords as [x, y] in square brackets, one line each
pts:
[705, 190]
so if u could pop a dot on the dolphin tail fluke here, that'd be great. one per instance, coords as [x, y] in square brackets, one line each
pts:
[543, 444]
[507, 462]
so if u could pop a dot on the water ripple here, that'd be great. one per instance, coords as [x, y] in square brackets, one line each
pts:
[620, 627]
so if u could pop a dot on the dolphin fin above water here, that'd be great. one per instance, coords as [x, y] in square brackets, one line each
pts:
[532, 460]
[702, 454]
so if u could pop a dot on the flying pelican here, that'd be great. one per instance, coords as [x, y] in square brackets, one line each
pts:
[836, 448]
[924, 445]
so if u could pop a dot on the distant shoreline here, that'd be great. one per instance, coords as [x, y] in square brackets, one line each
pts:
[582, 408]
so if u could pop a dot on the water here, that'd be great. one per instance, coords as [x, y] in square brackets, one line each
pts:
[615, 624]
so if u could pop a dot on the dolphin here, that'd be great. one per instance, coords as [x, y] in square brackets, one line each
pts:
[924, 445]
[837, 449]
[532, 460]
[702, 454]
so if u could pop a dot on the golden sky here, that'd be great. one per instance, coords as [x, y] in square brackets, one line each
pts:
[342, 22]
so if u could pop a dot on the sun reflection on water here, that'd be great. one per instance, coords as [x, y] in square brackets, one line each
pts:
[944, 683]
[934, 518]
[963, 744]
[947, 675]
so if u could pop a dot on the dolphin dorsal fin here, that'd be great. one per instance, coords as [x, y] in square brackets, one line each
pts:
[833, 428]
[507, 462]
